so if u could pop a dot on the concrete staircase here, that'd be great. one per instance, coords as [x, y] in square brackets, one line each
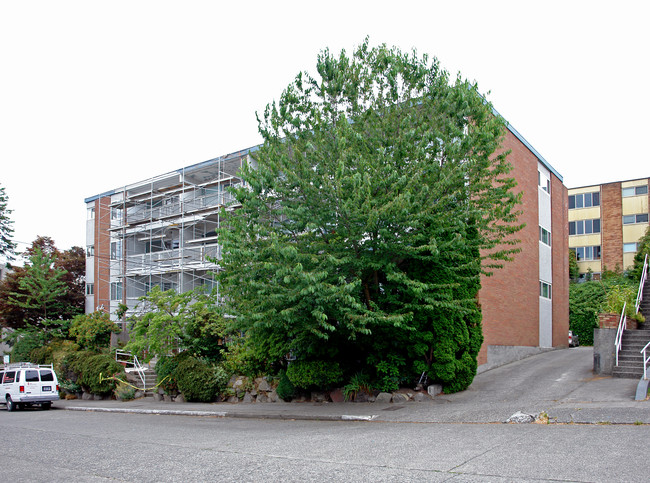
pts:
[149, 380]
[630, 359]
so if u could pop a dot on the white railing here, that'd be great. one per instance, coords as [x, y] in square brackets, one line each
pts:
[131, 364]
[646, 358]
[639, 298]
[644, 275]
[622, 324]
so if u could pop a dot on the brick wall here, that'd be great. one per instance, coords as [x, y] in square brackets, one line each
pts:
[611, 209]
[560, 247]
[102, 253]
[510, 297]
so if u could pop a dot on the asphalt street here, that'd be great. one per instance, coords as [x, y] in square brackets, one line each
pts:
[596, 433]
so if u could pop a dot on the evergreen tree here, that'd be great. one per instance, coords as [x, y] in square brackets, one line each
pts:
[7, 246]
[376, 202]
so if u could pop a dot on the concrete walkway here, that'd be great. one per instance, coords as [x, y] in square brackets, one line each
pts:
[559, 383]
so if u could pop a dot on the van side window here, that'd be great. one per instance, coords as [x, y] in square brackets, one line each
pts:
[31, 376]
[10, 376]
[2, 375]
[47, 376]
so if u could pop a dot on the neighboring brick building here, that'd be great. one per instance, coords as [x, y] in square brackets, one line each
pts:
[158, 232]
[606, 222]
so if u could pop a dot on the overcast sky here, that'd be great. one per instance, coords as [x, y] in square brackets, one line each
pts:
[97, 95]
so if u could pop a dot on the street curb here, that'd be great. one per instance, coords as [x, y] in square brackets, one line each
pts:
[224, 414]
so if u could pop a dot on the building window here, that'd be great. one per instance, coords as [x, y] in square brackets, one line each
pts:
[544, 290]
[116, 290]
[630, 219]
[545, 236]
[543, 182]
[90, 289]
[584, 227]
[116, 213]
[90, 251]
[91, 213]
[635, 191]
[587, 253]
[116, 250]
[584, 200]
[629, 247]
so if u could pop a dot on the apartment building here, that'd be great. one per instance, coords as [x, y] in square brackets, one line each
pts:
[157, 232]
[161, 232]
[606, 223]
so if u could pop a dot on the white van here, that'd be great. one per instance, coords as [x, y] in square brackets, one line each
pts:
[25, 384]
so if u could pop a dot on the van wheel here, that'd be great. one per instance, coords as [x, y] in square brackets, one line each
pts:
[11, 405]
[46, 405]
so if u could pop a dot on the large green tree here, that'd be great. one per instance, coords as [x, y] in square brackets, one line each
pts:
[24, 285]
[376, 201]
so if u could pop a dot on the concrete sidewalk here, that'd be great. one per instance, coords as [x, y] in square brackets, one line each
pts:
[557, 383]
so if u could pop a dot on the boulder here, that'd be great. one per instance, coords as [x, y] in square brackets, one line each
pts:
[337, 395]
[319, 397]
[263, 385]
[434, 389]
[420, 396]
[273, 396]
[157, 397]
[400, 398]
[384, 398]
[167, 398]
[248, 397]
[179, 399]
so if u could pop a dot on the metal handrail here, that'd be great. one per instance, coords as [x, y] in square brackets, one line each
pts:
[646, 358]
[130, 361]
[622, 325]
[639, 297]
[644, 276]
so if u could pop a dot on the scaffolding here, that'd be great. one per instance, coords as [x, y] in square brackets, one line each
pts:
[162, 232]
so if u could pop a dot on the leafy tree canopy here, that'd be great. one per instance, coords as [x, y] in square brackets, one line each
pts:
[378, 198]
[49, 286]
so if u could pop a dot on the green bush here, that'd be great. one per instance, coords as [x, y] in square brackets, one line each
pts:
[165, 373]
[93, 331]
[25, 343]
[285, 389]
[92, 371]
[314, 374]
[199, 381]
[358, 383]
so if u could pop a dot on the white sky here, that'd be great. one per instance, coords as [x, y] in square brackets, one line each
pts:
[97, 95]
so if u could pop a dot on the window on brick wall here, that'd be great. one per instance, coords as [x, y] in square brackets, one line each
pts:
[635, 191]
[545, 236]
[90, 289]
[587, 253]
[584, 200]
[545, 290]
[584, 227]
[630, 219]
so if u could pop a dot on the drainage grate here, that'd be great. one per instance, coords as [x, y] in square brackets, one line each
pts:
[393, 408]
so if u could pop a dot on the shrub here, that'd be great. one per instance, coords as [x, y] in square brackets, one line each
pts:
[165, 373]
[93, 331]
[92, 371]
[25, 343]
[359, 383]
[285, 389]
[199, 381]
[314, 374]
[124, 392]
